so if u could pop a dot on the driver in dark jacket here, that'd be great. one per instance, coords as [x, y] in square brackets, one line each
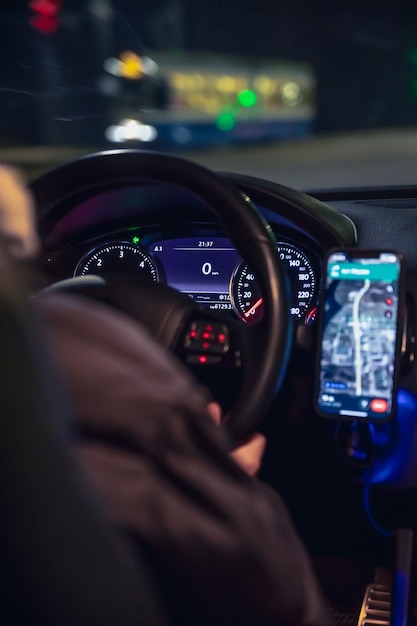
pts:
[220, 544]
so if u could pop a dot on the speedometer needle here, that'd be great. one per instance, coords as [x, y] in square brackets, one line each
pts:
[253, 308]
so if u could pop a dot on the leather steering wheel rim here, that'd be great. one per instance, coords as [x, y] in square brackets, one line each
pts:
[250, 234]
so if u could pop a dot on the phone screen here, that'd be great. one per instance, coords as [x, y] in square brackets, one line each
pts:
[359, 340]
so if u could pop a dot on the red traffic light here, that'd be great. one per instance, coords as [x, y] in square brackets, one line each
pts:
[45, 18]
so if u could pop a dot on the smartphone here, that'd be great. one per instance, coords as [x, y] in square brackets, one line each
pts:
[360, 334]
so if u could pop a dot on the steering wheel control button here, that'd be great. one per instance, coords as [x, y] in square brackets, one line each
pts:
[203, 359]
[207, 339]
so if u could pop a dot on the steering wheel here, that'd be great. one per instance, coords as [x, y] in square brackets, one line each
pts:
[200, 338]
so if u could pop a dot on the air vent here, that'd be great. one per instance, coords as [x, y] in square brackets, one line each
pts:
[376, 607]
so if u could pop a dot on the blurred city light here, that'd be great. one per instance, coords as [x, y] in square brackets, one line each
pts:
[227, 84]
[150, 67]
[247, 98]
[181, 135]
[101, 9]
[131, 130]
[226, 122]
[113, 66]
[131, 66]
[291, 93]
[264, 84]
[45, 18]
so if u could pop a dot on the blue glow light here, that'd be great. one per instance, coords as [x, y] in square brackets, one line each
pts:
[396, 462]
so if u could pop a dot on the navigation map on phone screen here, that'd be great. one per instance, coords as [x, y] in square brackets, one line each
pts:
[359, 335]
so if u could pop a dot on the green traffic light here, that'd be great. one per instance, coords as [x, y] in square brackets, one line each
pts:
[225, 122]
[247, 98]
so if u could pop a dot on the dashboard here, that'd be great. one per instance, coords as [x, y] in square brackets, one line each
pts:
[203, 264]
[95, 221]
[166, 235]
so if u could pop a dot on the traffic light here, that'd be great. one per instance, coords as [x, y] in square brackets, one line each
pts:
[45, 16]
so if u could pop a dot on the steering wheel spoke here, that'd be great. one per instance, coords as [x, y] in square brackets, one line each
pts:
[214, 347]
[209, 341]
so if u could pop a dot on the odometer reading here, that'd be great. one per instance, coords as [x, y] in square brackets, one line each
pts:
[246, 295]
[117, 257]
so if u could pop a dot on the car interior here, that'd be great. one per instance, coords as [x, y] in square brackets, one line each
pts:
[261, 290]
[128, 228]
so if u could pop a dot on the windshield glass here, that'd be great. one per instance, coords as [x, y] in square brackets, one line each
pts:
[309, 94]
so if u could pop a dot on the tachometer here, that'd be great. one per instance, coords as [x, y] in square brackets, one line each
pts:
[117, 257]
[246, 294]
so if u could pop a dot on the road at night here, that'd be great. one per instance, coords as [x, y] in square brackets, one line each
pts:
[357, 159]
[366, 159]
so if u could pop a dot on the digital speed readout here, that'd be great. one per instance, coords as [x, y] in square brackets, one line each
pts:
[200, 267]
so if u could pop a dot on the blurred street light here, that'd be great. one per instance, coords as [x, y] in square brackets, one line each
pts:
[131, 130]
[131, 66]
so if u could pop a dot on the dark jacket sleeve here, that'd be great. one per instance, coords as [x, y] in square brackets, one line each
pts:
[220, 544]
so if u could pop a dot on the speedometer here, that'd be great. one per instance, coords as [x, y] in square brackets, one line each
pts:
[117, 257]
[246, 294]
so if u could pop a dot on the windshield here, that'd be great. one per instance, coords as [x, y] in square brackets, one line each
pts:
[309, 94]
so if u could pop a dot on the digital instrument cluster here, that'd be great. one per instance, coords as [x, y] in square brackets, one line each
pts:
[210, 271]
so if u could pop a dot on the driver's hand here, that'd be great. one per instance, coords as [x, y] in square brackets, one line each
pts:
[249, 455]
